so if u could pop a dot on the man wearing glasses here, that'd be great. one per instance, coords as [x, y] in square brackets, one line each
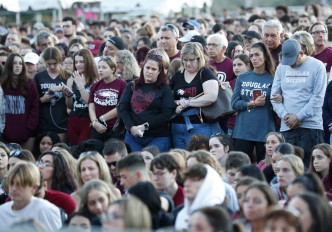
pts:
[167, 39]
[323, 53]
[217, 45]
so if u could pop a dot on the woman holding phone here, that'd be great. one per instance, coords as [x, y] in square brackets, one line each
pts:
[251, 100]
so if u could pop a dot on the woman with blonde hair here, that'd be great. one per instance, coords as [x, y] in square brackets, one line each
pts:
[122, 214]
[92, 165]
[289, 167]
[95, 197]
[127, 66]
[187, 84]
[306, 41]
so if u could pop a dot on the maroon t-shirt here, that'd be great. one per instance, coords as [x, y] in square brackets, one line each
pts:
[106, 96]
[179, 197]
[326, 57]
[224, 69]
[178, 55]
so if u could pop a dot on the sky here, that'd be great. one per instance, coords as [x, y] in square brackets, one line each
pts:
[161, 6]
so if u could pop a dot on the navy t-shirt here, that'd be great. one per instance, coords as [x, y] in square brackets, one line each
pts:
[53, 115]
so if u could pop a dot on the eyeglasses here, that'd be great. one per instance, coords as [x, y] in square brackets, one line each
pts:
[323, 32]
[158, 174]
[46, 164]
[189, 60]
[155, 57]
[14, 153]
[213, 45]
[188, 28]
[67, 63]
[112, 164]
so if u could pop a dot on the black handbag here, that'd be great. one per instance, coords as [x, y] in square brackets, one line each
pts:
[222, 107]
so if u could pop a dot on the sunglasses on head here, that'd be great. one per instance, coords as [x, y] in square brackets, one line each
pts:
[154, 57]
[14, 153]
[220, 134]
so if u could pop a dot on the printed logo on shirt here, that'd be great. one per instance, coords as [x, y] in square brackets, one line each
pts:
[248, 87]
[14, 104]
[221, 76]
[187, 92]
[140, 101]
[296, 76]
[106, 97]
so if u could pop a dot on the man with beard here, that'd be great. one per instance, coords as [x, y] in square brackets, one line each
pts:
[114, 150]
[69, 29]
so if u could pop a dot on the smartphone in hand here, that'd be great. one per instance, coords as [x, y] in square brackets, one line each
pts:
[256, 93]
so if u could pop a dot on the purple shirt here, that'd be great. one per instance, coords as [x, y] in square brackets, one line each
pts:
[326, 57]
[224, 69]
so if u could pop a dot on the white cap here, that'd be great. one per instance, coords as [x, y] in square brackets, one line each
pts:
[188, 35]
[31, 57]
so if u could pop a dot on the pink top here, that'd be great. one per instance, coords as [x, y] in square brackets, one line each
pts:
[261, 165]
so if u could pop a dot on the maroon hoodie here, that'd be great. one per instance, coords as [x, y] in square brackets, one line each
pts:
[22, 113]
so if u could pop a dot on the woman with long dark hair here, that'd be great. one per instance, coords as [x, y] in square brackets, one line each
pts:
[146, 107]
[77, 96]
[55, 171]
[251, 100]
[22, 103]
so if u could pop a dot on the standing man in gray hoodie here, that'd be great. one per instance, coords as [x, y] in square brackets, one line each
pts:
[301, 80]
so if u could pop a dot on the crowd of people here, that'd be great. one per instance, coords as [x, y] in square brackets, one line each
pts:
[102, 126]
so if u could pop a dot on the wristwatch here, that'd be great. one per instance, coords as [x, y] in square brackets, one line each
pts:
[146, 126]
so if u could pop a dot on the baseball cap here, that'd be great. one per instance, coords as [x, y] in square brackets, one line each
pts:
[118, 42]
[199, 39]
[191, 22]
[94, 46]
[58, 29]
[188, 35]
[290, 50]
[253, 34]
[31, 57]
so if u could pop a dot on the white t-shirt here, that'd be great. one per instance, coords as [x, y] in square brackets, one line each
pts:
[38, 209]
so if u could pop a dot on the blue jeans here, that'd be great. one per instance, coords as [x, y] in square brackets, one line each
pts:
[305, 138]
[331, 139]
[138, 143]
[181, 136]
